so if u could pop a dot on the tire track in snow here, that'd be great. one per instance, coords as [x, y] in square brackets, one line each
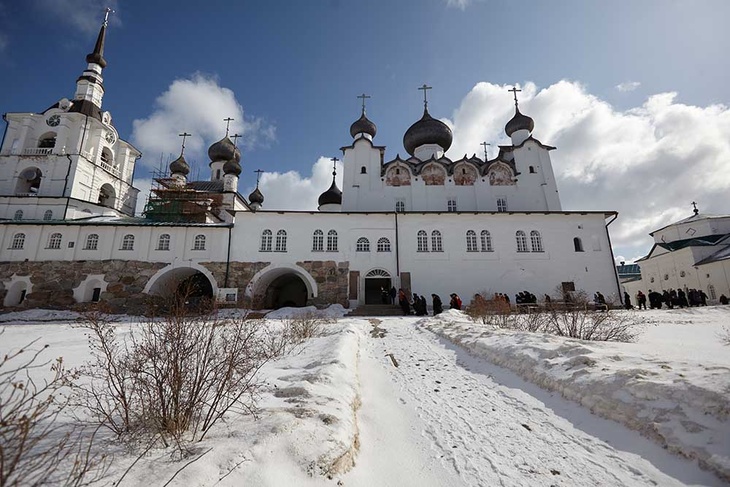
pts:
[478, 428]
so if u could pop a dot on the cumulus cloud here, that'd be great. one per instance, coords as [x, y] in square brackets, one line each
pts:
[628, 86]
[292, 191]
[648, 162]
[196, 105]
[84, 15]
[461, 4]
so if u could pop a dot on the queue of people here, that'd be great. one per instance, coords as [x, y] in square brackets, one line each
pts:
[419, 306]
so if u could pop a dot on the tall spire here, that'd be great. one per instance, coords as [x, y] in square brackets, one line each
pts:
[97, 57]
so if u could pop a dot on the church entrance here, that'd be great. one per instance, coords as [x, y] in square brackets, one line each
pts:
[287, 290]
[376, 281]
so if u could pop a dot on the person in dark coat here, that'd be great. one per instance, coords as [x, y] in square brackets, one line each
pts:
[403, 302]
[627, 301]
[393, 294]
[438, 307]
[641, 300]
[723, 299]
[455, 302]
[419, 305]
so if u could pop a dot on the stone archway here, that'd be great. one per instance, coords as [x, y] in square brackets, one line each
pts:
[279, 287]
[195, 283]
[376, 281]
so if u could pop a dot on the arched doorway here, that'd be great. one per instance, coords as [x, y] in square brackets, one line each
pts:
[288, 290]
[195, 285]
[376, 281]
[107, 195]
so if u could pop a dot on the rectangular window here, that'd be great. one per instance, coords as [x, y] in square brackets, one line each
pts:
[501, 205]
[451, 206]
[400, 206]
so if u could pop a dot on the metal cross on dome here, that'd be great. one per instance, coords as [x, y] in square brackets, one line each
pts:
[485, 145]
[258, 176]
[107, 11]
[425, 89]
[696, 211]
[334, 166]
[228, 123]
[235, 138]
[363, 96]
[514, 91]
[184, 135]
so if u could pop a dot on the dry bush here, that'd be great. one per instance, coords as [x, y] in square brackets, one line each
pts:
[490, 311]
[579, 320]
[174, 377]
[302, 327]
[39, 444]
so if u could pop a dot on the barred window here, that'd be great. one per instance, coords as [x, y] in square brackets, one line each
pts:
[471, 241]
[400, 206]
[48, 215]
[54, 241]
[281, 241]
[383, 245]
[422, 241]
[128, 242]
[199, 242]
[536, 241]
[363, 245]
[521, 241]
[163, 243]
[486, 241]
[266, 238]
[318, 241]
[451, 206]
[18, 215]
[92, 242]
[436, 242]
[18, 241]
[501, 205]
[332, 241]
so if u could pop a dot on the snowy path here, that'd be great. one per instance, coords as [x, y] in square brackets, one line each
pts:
[438, 420]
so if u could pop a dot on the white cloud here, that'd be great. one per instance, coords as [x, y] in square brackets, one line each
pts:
[292, 191]
[84, 15]
[461, 4]
[198, 106]
[628, 86]
[649, 162]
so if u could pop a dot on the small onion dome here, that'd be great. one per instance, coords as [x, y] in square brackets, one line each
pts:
[224, 150]
[256, 196]
[180, 166]
[519, 122]
[363, 126]
[332, 196]
[428, 130]
[232, 167]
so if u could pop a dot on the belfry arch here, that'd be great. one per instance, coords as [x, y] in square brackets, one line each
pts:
[281, 286]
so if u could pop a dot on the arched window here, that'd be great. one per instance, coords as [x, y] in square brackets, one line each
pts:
[54, 241]
[363, 170]
[199, 242]
[29, 181]
[48, 215]
[92, 242]
[521, 241]
[332, 241]
[163, 243]
[422, 241]
[383, 245]
[318, 241]
[532, 169]
[18, 215]
[107, 157]
[436, 242]
[18, 241]
[47, 141]
[128, 242]
[486, 239]
[363, 245]
[711, 292]
[536, 241]
[107, 195]
[400, 206]
[266, 238]
[471, 241]
[578, 244]
[281, 241]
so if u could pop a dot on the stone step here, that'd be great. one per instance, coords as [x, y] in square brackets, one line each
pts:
[376, 310]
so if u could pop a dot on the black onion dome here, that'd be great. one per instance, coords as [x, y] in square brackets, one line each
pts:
[428, 130]
[232, 167]
[97, 57]
[363, 126]
[332, 196]
[256, 196]
[224, 150]
[519, 122]
[180, 166]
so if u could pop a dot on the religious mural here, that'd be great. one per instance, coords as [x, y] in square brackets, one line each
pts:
[398, 176]
[465, 175]
[500, 175]
[433, 175]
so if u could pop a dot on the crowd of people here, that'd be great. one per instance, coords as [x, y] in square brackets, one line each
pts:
[418, 305]
[670, 299]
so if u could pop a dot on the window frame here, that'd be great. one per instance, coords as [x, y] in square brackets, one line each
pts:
[163, 242]
[280, 245]
[18, 242]
[127, 242]
[267, 238]
[54, 241]
[318, 241]
[383, 244]
[437, 244]
[536, 244]
[332, 241]
[362, 245]
[486, 241]
[92, 242]
[422, 241]
[521, 239]
[471, 241]
[199, 242]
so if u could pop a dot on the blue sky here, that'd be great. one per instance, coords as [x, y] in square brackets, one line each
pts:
[294, 70]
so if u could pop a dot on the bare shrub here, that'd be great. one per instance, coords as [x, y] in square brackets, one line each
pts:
[490, 311]
[39, 445]
[579, 320]
[174, 377]
[300, 328]
[533, 320]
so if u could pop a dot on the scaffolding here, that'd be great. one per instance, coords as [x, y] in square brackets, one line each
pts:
[169, 201]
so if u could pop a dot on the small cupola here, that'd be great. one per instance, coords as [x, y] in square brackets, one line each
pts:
[224, 150]
[428, 136]
[331, 200]
[179, 168]
[363, 127]
[520, 126]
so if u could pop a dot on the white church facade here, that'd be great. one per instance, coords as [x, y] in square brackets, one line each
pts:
[427, 223]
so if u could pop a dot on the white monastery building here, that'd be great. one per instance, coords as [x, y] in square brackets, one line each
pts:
[427, 224]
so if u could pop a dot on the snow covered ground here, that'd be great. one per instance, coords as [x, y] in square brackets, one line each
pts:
[403, 401]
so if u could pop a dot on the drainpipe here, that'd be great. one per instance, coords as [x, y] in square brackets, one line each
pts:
[397, 253]
[228, 256]
[613, 261]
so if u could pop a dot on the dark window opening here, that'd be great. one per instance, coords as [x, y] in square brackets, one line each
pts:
[532, 169]
[22, 295]
[578, 244]
[96, 295]
[363, 170]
